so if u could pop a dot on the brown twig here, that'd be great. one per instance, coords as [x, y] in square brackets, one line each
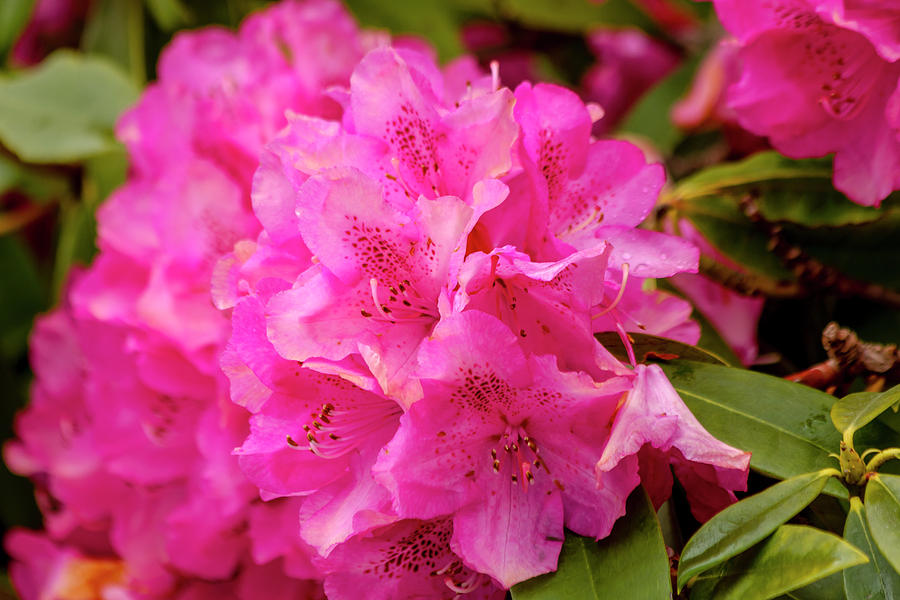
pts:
[849, 358]
[812, 274]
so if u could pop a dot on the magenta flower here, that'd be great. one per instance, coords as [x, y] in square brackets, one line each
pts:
[820, 77]
[506, 444]
[654, 430]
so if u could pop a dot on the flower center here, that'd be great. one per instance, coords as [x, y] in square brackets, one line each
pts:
[399, 303]
[333, 431]
[517, 455]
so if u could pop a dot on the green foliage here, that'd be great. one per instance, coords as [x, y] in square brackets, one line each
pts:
[856, 410]
[747, 522]
[64, 110]
[883, 515]
[794, 556]
[798, 191]
[875, 580]
[630, 563]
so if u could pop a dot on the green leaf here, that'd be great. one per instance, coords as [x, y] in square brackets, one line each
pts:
[649, 117]
[827, 588]
[856, 410]
[169, 14]
[763, 166]
[14, 14]
[793, 557]
[745, 523]
[875, 580]
[64, 110]
[883, 515]
[785, 425]
[115, 29]
[799, 191]
[648, 346]
[630, 563]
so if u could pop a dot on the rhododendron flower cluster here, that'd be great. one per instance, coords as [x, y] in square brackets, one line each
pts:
[414, 332]
[340, 334]
[820, 77]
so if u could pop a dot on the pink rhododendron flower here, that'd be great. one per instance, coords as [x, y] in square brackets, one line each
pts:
[654, 429]
[821, 77]
[430, 275]
[507, 443]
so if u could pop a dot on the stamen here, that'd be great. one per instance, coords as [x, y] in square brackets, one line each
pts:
[495, 75]
[524, 454]
[333, 432]
[625, 269]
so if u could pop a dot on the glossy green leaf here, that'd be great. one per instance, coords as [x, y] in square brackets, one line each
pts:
[115, 29]
[856, 410]
[630, 563]
[827, 588]
[883, 515]
[793, 557]
[799, 191]
[648, 347]
[14, 15]
[785, 425]
[875, 580]
[745, 523]
[64, 110]
[763, 166]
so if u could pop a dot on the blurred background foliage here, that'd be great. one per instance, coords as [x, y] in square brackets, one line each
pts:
[59, 160]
